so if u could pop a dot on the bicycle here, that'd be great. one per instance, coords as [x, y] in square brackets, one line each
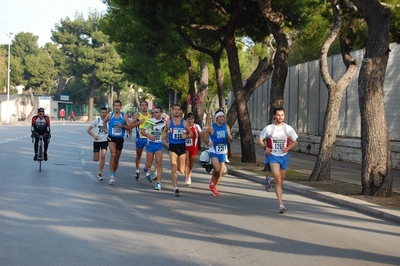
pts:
[40, 157]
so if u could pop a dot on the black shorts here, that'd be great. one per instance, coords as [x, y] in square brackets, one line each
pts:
[118, 141]
[100, 145]
[179, 149]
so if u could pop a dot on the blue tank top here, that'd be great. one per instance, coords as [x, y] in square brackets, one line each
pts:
[219, 139]
[113, 129]
[175, 133]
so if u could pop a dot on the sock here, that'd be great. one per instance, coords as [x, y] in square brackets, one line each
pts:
[112, 173]
[137, 171]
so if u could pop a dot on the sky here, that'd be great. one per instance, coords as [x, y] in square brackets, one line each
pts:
[40, 16]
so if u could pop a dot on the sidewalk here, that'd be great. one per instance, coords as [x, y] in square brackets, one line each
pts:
[344, 171]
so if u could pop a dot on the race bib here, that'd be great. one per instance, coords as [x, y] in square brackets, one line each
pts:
[157, 139]
[220, 149]
[189, 142]
[178, 133]
[116, 131]
[278, 144]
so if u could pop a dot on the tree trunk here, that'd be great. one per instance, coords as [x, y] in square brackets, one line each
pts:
[281, 62]
[262, 73]
[322, 167]
[376, 174]
[192, 86]
[202, 92]
[91, 101]
[246, 136]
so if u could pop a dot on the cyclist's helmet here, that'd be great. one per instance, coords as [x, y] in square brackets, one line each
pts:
[40, 110]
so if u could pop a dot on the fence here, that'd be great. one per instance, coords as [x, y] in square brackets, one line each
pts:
[306, 96]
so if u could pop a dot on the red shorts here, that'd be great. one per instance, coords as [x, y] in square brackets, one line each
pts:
[192, 151]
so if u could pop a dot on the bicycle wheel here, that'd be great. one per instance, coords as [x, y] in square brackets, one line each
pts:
[40, 157]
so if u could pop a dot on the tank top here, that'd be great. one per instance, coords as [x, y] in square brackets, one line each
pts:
[219, 139]
[113, 129]
[143, 125]
[175, 132]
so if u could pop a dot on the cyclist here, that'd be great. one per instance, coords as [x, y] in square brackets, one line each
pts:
[41, 126]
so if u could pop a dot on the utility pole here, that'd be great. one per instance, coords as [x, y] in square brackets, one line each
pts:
[8, 81]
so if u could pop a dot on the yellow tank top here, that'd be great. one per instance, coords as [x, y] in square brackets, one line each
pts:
[141, 116]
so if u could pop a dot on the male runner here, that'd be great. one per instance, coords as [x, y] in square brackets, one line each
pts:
[100, 142]
[176, 132]
[281, 138]
[139, 122]
[114, 125]
[192, 146]
[41, 126]
[217, 136]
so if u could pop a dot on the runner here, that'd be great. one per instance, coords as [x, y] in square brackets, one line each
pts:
[176, 132]
[154, 147]
[192, 146]
[114, 125]
[217, 137]
[140, 118]
[281, 138]
[96, 130]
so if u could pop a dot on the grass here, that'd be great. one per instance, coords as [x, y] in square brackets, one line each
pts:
[334, 186]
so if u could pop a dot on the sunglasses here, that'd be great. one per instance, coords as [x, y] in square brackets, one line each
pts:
[155, 112]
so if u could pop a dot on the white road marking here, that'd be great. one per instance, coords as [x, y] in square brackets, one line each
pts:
[128, 207]
[89, 174]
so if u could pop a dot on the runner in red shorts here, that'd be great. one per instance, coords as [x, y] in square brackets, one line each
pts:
[192, 146]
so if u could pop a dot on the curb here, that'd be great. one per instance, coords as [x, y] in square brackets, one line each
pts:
[359, 205]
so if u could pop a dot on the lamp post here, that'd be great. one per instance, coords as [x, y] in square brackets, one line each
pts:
[8, 80]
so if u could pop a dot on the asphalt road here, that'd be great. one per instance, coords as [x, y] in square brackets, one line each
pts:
[64, 216]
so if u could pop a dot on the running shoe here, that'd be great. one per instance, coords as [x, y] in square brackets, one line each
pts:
[282, 209]
[213, 189]
[148, 178]
[155, 176]
[158, 186]
[176, 192]
[99, 177]
[45, 156]
[35, 157]
[137, 176]
[188, 181]
[112, 180]
[268, 185]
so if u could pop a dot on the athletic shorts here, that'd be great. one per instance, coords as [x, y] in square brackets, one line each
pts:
[100, 145]
[283, 161]
[141, 142]
[221, 157]
[118, 141]
[179, 149]
[192, 151]
[153, 147]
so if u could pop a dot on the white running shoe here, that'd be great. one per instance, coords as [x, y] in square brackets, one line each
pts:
[188, 181]
[112, 180]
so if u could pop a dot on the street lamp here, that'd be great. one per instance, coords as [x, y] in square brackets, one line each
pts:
[8, 81]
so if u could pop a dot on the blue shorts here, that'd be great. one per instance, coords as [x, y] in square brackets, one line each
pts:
[153, 147]
[141, 142]
[283, 161]
[221, 157]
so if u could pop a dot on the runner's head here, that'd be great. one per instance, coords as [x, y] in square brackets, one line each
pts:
[157, 112]
[219, 117]
[143, 106]
[190, 118]
[176, 110]
[103, 112]
[117, 106]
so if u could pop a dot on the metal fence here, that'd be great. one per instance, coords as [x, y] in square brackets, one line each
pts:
[306, 96]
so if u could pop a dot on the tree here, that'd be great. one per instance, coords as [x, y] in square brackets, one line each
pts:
[31, 66]
[322, 167]
[91, 58]
[376, 175]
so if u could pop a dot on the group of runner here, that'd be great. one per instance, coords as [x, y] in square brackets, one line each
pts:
[182, 136]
